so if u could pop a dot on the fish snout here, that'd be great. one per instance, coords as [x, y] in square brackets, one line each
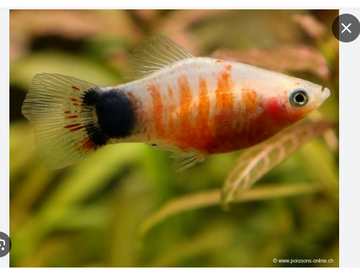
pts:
[325, 92]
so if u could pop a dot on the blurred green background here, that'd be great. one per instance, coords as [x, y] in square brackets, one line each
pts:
[90, 214]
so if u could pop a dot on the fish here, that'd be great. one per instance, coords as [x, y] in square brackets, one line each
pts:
[192, 106]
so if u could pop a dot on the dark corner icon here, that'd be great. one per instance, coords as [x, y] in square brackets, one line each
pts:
[346, 28]
[5, 244]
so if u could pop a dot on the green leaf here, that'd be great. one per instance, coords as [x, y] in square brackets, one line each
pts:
[256, 161]
[213, 197]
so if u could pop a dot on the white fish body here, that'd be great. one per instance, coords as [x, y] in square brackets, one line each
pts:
[193, 106]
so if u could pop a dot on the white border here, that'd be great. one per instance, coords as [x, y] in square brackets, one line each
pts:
[184, 4]
[4, 154]
[349, 150]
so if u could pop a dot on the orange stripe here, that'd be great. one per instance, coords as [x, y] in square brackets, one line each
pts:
[203, 121]
[157, 109]
[249, 99]
[204, 103]
[172, 110]
[224, 95]
[171, 94]
[132, 98]
[193, 130]
[185, 104]
[224, 107]
[225, 132]
[135, 103]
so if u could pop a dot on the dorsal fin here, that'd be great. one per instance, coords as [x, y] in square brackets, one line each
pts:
[154, 54]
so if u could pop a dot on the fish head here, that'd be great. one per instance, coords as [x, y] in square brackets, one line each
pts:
[301, 97]
[285, 102]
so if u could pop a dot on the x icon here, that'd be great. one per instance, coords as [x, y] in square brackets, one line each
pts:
[346, 28]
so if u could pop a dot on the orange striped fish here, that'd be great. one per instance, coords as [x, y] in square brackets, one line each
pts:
[192, 106]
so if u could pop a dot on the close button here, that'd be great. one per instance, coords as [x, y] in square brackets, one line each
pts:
[346, 27]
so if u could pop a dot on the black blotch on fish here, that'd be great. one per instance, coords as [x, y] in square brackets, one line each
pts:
[115, 113]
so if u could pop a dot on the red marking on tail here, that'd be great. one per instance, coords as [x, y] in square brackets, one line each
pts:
[74, 87]
[73, 125]
[87, 144]
[75, 129]
[72, 116]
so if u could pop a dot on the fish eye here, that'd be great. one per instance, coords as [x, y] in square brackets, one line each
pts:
[299, 98]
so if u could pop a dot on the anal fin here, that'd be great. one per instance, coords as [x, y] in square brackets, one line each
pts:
[186, 159]
[183, 159]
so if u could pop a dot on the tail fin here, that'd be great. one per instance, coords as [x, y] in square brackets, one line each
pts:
[65, 124]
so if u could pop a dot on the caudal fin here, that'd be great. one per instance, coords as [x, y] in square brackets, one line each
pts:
[65, 123]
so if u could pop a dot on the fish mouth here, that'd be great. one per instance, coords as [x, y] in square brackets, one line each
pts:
[326, 92]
